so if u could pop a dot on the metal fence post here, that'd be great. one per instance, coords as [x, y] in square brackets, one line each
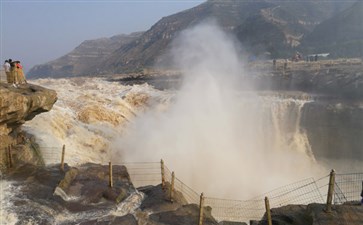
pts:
[162, 174]
[10, 158]
[110, 176]
[268, 211]
[201, 208]
[172, 186]
[330, 191]
[62, 159]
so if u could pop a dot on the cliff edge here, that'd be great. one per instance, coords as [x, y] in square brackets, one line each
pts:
[18, 105]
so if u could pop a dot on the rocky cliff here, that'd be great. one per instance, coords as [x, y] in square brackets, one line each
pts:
[333, 117]
[18, 105]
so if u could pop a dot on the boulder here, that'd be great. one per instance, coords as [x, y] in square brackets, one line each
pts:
[315, 214]
[89, 184]
[184, 215]
[157, 199]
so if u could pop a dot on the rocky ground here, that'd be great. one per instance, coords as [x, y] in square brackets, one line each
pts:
[82, 195]
[315, 214]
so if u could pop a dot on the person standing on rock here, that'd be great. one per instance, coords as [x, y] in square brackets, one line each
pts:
[7, 70]
[14, 73]
[21, 76]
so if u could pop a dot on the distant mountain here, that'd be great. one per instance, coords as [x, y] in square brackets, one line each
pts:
[341, 35]
[84, 59]
[262, 26]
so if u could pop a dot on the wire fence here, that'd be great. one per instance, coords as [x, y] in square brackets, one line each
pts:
[347, 189]
[144, 173]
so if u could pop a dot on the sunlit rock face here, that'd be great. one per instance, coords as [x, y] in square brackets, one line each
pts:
[18, 105]
[23, 103]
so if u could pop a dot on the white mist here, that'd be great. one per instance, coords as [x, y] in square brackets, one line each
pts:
[217, 138]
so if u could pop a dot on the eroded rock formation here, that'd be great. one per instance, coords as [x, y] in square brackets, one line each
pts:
[18, 105]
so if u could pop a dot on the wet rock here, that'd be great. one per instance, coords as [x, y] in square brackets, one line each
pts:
[87, 195]
[89, 184]
[125, 220]
[158, 200]
[340, 215]
[290, 214]
[231, 223]
[184, 215]
[315, 214]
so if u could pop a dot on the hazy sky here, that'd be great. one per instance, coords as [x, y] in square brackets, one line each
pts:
[36, 32]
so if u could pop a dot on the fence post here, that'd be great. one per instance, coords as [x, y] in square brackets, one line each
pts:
[201, 208]
[162, 174]
[268, 211]
[330, 191]
[10, 158]
[110, 172]
[172, 186]
[62, 159]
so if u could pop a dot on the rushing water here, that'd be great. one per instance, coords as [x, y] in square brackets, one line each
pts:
[233, 131]
[233, 144]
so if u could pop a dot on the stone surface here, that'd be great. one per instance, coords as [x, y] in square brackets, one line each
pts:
[231, 223]
[89, 184]
[184, 215]
[124, 220]
[23, 103]
[18, 105]
[315, 214]
[87, 196]
[327, 78]
[157, 199]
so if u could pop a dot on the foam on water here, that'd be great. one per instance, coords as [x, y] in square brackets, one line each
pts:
[89, 114]
[211, 133]
[7, 216]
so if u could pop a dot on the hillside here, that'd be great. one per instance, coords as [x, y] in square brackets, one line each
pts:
[286, 23]
[341, 35]
[84, 58]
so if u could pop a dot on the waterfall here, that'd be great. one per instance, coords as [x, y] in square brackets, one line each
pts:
[285, 116]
